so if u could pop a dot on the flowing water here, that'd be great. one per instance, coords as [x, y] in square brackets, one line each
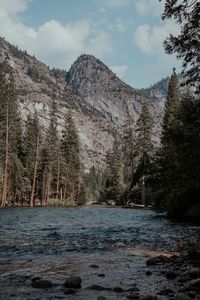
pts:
[105, 246]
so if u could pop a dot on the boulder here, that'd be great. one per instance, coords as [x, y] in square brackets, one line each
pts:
[41, 283]
[73, 282]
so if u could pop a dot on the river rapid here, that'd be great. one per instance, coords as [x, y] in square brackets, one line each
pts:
[107, 247]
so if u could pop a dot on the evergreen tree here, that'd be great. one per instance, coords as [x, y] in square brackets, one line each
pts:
[31, 150]
[50, 156]
[71, 167]
[183, 185]
[145, 147]
[168, 154]
[114, 183]
[186, 14]
[171, 108]
[10, 136]
[129, 149]
[144, 130]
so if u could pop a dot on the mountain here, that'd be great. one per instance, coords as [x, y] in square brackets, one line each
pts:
[157, 91]
[98, 99]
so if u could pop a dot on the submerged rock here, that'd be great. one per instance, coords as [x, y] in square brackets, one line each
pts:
[101, 275]
[157, 260]
[148, 273]
[41, 283]
[96, 287]
[94, 266]
[118, 289]
[194, 273]
[69, 291]
[166, 292]
[73, 282]
[133, 296]
[171, 275]
[148, 297]
[195, 284]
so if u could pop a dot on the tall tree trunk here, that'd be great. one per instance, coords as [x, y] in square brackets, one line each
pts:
[5, 175]
[143, 191]
[58, 180]
[48, 183]
[35, 172]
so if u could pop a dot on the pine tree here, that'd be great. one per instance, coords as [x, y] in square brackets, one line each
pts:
[186, 44]
[71, 167]
[168, 155]
[144, 130]
[183, 185]
[50, 154]
[144, 145]
[171, 108]
[129, 149]
[31, 150]
[10, 134]
[114, 183]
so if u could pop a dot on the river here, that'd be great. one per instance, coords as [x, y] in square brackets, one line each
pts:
[105, 246]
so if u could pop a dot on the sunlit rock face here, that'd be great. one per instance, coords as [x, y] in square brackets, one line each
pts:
[98, 99]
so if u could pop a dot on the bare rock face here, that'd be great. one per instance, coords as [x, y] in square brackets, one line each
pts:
[98, 86]
[98, 99]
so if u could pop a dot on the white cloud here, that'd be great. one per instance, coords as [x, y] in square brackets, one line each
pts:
[150, 39]
[115, 3]
[52, 42]
[13, 7]
[145, 7]
[99, 45]
[120, 71]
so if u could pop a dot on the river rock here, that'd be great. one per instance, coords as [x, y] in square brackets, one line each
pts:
[148, 297]
[101, 298]
[73, 282]
[194, 273]
[195, 284]
[41, 283]
[133, 296]
[101, 275]
[69, 291]
[94, 266]
[118, 289]
[171, 274]
[97, 287]
[166, 292]
[157, 260]
[181, 297]
[148, 273]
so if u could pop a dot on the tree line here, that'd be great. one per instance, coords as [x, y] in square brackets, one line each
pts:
[37, 167]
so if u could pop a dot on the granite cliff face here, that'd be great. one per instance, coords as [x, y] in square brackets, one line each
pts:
[99, 100]
[98, 86]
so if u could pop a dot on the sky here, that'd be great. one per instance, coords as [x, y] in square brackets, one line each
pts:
[127, 35]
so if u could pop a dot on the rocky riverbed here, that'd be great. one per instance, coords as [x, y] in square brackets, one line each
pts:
[96, 253]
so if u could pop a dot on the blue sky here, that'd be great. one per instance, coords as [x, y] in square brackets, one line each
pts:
[126, 35]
